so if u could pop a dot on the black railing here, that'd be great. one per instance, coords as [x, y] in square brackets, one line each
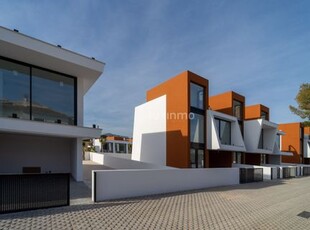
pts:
[289, 172]
[248, 175]
[306, 171]
[21, 192]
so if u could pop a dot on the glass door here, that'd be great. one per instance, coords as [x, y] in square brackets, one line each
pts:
[197, 158]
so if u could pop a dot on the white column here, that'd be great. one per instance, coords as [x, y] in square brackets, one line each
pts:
[77, 160]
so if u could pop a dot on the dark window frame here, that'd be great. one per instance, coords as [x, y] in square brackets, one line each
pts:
[30, 66]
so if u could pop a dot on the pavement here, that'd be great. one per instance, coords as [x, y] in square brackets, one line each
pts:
[280, 204]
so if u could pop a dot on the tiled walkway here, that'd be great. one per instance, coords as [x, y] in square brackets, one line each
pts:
[267, 205]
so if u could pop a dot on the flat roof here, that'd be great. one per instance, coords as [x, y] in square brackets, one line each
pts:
[24, 48]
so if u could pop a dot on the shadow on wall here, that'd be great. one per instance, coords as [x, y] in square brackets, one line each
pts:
[165, 148]
[153, 148]
[291, 159]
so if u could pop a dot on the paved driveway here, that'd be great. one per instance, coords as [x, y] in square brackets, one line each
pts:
[266, 205]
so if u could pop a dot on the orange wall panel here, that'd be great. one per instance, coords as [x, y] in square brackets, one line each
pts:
[177, 92]
[291, 142]
[254, 111]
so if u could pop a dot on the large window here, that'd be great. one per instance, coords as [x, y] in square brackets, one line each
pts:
[224, 131]
[14, 90]
[238, 109]
[27, 92]
[52, 97]
[197, 125]
[197, 96]
[197, 128]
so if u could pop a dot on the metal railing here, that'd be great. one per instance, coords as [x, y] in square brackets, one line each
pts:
[289, 172]
[306, 171]
[248, 175]
[21, 192]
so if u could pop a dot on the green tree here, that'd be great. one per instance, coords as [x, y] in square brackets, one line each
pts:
[303, 101]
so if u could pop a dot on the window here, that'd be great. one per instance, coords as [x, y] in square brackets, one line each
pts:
[224, 131]
[238, 109]
[278, 141]
[264, 115]
[197, 158]
[197, 129]
[108, 147]
[52, 97]
[197, 96]
[120, 148]
[241, 126]
[14, 90]
[27, 92]
[261, 140]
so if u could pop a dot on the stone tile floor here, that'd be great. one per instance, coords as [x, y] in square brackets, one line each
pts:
[265, 205]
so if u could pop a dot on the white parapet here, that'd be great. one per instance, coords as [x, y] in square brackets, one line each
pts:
[116, 184]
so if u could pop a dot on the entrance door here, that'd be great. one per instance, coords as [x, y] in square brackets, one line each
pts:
[197, 158]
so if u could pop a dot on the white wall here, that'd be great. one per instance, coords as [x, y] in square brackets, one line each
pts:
[149, 132]
[213, 140]
[252, 131]
[77, 159]
[49, 153]
[115, 184]
[112, 161]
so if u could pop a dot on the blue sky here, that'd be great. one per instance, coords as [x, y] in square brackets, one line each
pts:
[259, 49]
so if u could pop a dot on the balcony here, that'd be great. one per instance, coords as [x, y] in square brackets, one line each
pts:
[223, 132]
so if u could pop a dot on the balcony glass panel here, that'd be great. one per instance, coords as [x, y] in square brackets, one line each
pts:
[52, 97]
[14, 90]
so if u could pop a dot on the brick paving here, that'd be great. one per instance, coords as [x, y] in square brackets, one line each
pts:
[265, 205]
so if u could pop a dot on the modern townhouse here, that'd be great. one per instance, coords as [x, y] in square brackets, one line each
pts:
[170, 128]
[227, 113]
[41, 105]
[262, 137]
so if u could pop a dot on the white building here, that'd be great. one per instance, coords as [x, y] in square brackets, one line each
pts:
[41, 105]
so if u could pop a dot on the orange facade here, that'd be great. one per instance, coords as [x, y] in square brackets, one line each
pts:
[224, 102]
[177, 91]
[292, 142]
[256, 112]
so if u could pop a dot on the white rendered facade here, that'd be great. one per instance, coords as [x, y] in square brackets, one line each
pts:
[53, 145]
[149, 133]
[214, 142]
